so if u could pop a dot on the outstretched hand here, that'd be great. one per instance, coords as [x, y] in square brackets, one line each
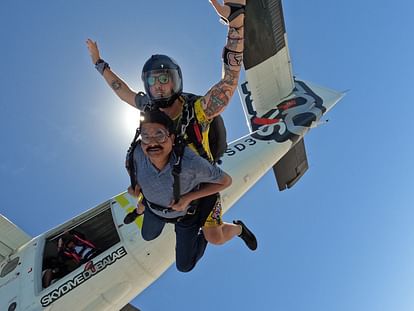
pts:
[93, 50]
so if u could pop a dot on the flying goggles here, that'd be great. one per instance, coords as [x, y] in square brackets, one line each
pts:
[159, 137]
[162, 79]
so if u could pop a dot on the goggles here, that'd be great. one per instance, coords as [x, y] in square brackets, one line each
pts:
[162, 79]
[160, 137]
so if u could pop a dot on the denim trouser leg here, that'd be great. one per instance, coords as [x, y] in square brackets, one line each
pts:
[190, 245]
[152, 226]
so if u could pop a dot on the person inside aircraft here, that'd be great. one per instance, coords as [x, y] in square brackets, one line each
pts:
[73, 250]
[74, 245]
[195, 117]
[52, 271]
[155, 157]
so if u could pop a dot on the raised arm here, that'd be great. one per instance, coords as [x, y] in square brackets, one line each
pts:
[218, 97]
[117, 85]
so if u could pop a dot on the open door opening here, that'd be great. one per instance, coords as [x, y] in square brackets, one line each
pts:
[76, 244]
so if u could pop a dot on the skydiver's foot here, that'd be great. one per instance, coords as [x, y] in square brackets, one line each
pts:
[130, 217]
[246, 235]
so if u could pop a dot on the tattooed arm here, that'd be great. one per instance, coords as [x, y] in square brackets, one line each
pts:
[117, 85]
[218, 97]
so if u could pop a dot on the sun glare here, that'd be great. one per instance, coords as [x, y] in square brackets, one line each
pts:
[131, 119]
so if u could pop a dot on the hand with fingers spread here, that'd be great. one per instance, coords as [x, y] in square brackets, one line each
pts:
[93, 50]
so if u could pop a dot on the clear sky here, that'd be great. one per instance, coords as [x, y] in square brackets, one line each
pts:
[341, 239]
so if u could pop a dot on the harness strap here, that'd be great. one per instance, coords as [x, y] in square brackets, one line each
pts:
[191, 127]
[176, 171]
[129, 164]
[179, 145]
[152, 206]
[195, 138]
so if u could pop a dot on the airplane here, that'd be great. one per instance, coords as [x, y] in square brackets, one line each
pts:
[279, 108]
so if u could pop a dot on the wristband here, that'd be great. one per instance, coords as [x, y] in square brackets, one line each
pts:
[101, 65]
[232, 58]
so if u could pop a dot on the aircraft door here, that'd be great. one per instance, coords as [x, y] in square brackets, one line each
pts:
[28, 281]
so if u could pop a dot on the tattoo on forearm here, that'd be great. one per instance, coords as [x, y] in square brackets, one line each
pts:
[230, 77]
[116, 85]
[234, 45]
[235, 40]
[219, 97]
[235, 33]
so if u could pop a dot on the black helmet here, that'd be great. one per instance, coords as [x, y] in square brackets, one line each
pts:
[164, 69]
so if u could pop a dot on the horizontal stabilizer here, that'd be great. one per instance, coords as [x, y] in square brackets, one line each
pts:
[291, 167]
[129, 307]
[11, 237]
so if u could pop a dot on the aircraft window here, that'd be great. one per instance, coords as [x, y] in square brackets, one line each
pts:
[77, 245]
[9, 267]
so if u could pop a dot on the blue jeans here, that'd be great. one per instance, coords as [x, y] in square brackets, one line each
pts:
[190, 241]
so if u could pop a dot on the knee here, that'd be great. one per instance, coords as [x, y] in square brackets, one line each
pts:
[214, 236]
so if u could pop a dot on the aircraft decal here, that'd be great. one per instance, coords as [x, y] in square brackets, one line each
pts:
[290, 119]
[82, 277]
[231, 151]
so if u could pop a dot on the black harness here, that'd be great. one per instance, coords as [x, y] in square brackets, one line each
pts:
[187, 126]
[192, 210]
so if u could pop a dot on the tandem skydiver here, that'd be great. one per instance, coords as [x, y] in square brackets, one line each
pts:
[155, 157]
[192, 114]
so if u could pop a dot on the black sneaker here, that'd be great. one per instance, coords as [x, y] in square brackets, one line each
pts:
[246, 235]
[130, 217]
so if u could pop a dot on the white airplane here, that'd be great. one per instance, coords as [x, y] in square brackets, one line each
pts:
[279, 109]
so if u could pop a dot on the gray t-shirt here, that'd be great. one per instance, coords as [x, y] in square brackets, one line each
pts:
[157, 186]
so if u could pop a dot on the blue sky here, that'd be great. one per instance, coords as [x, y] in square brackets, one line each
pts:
[341, 239]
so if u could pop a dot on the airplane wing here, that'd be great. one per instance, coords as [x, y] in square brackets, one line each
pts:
[266, 56]
[11, 237]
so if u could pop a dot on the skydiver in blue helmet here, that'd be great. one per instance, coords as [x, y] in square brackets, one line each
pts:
[163, 83]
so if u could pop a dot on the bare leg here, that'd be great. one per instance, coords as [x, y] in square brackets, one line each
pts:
[219, 235]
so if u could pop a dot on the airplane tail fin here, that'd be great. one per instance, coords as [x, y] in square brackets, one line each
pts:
[11, 237]
[291, 119]
[305, 98]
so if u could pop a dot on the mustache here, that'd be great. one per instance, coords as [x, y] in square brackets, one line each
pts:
[153, 148]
